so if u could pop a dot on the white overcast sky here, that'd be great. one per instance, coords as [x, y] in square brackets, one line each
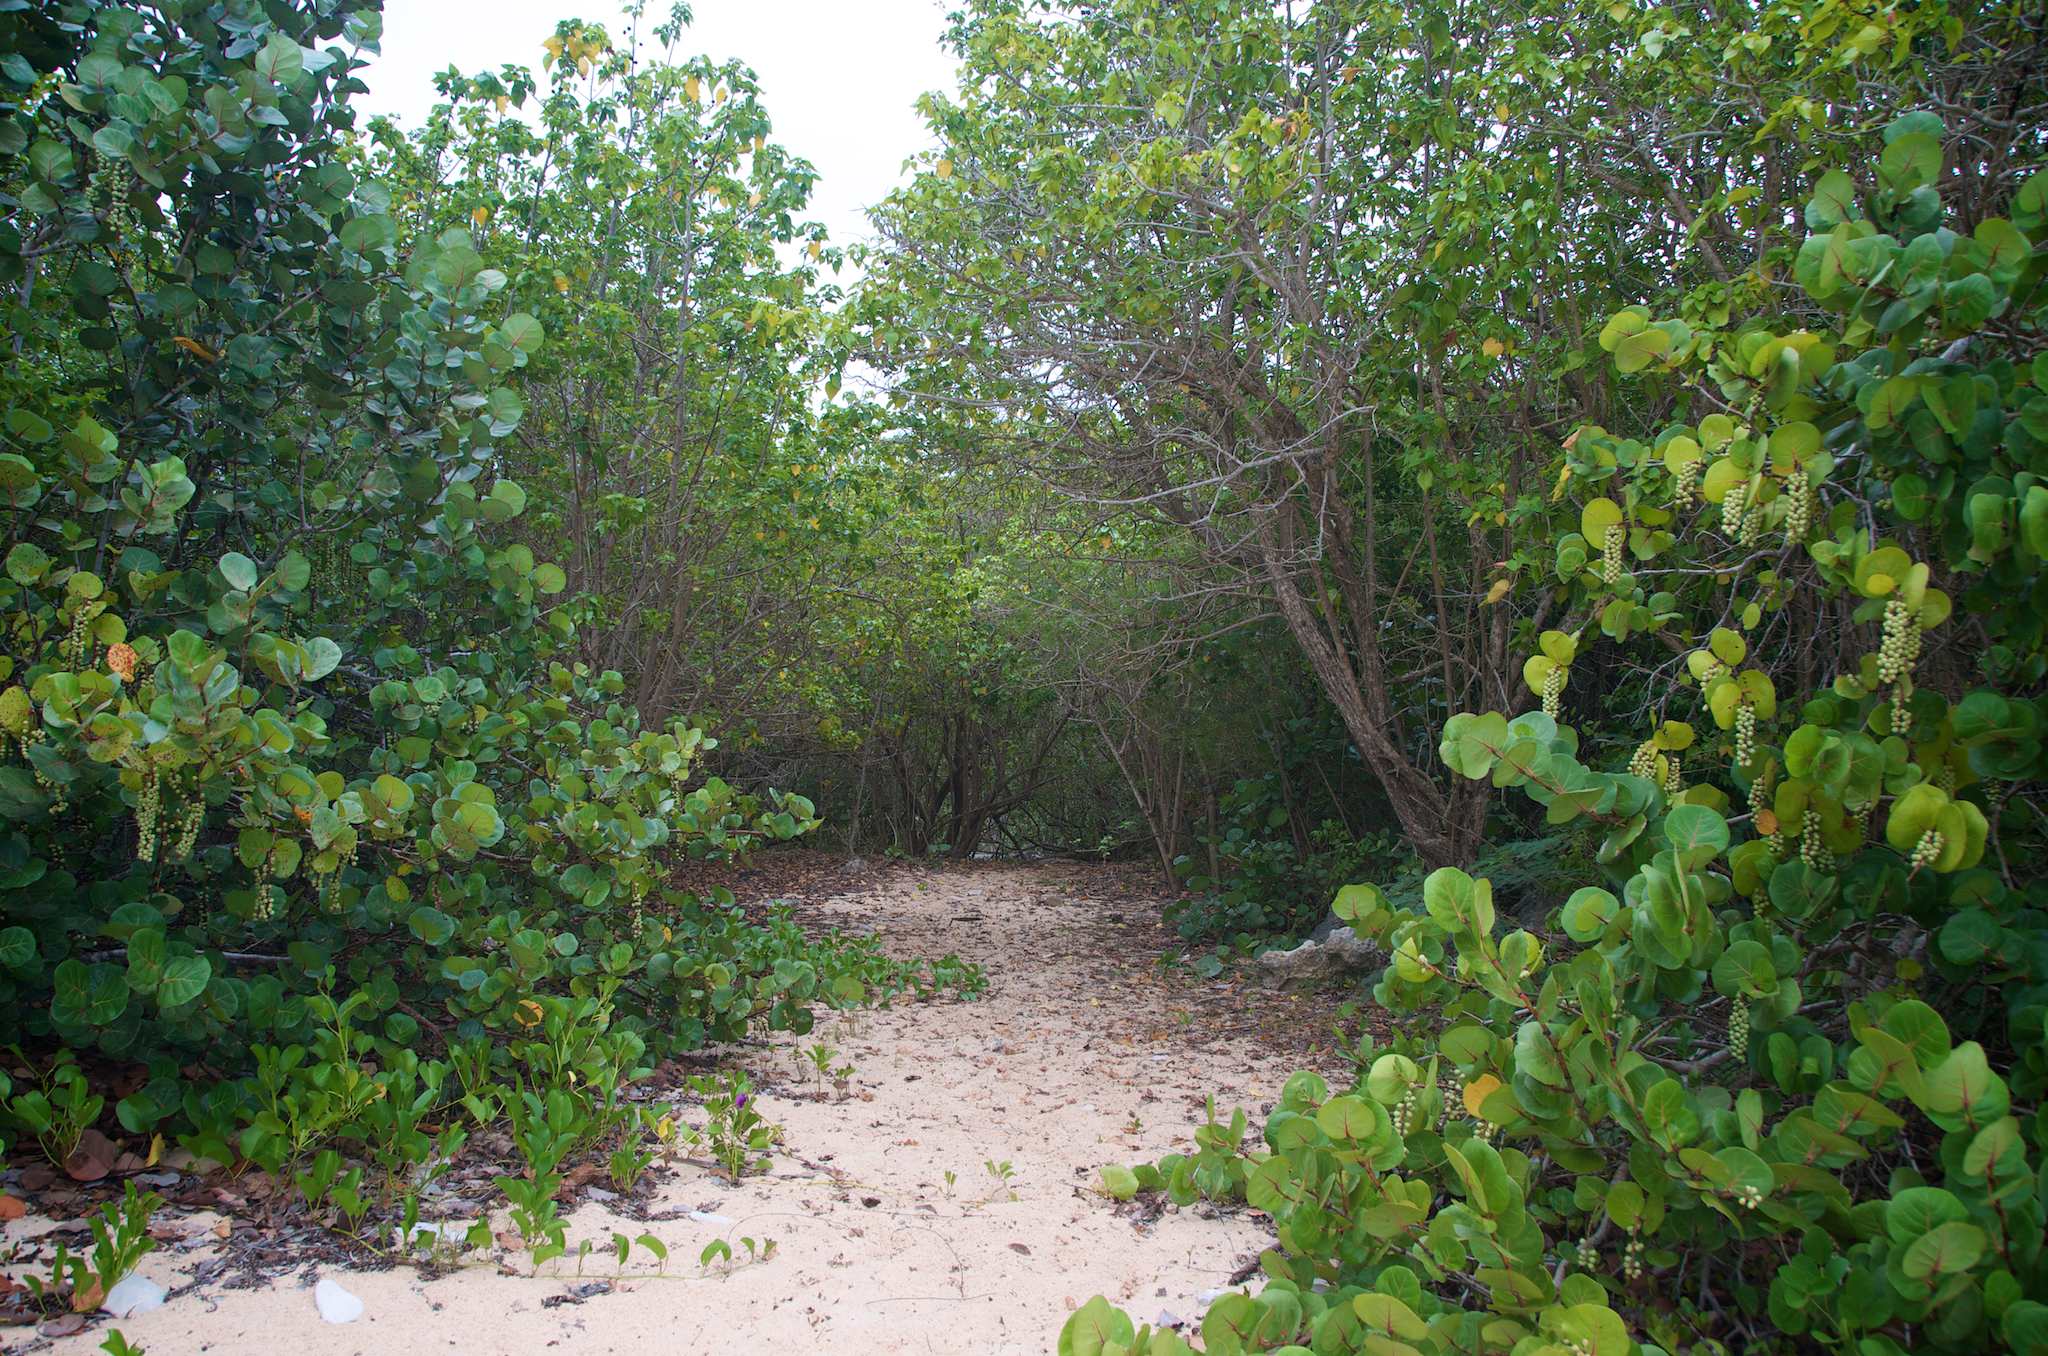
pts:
[838, 77]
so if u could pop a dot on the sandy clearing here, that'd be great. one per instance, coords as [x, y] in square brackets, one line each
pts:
[1081, 1053]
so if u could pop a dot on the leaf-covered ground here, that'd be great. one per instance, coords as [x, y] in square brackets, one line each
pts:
[1084, 1051]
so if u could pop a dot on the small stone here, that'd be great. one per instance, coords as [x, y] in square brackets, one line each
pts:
[336, 1304]
[132, 1295]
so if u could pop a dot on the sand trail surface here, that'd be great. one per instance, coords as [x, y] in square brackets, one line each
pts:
[1082, 1052]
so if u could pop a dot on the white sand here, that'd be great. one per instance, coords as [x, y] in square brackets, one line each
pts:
[1046, 1072]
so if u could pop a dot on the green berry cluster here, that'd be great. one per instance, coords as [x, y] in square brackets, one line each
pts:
[1738, 1029]
[77, 642]
[1899, 651]
[1553, 691]
[1927, 851]
[1405, 1109]
[1632, 1258]
[1897, 654]
[1451, 1094]
[188, 826]
[1799, 512]
[1643, 763]
[1732, 505]
[149, 802]
[1685, 483]
[1812, 850]
[266, 906]
[1745, 734]
[1610, 554]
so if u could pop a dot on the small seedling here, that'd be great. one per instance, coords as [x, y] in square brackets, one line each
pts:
[117, 1345]
[719, 1252]
[626, 1164]
[120, 1240]
[821, 1056]
[622, 1249]
[1001, 1175]
[60, 1111]
[952, 1179]
[738, 1135]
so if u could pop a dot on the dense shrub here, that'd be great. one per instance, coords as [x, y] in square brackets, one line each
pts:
[1774, 1084]
[303, 772]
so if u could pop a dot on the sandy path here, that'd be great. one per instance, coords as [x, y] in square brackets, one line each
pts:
[1081, 1053]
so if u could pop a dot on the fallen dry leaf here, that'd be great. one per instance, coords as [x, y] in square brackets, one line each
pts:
[12, 1207]
[92, 1159]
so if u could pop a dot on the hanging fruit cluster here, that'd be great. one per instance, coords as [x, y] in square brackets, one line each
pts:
[1733, 516]
[1897, 653]
[1799, 505]
[1546, 673]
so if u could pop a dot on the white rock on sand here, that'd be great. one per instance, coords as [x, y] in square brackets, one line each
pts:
[133, 1294]
[335, 1304]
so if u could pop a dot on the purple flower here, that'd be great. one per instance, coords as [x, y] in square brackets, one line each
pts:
[739, 1101]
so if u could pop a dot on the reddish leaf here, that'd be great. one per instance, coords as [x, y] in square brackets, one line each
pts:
[93, 1158]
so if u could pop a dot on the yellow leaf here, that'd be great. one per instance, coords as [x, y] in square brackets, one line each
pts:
[528, 1013]
[480, 215]
[814, 249]
[1499, 590]
[196, 349]
[1493, 348]
[1500, 112]
[1478, 1090]
[944, 169]
[694, 88]
[1564, 474]
[156, 1150]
